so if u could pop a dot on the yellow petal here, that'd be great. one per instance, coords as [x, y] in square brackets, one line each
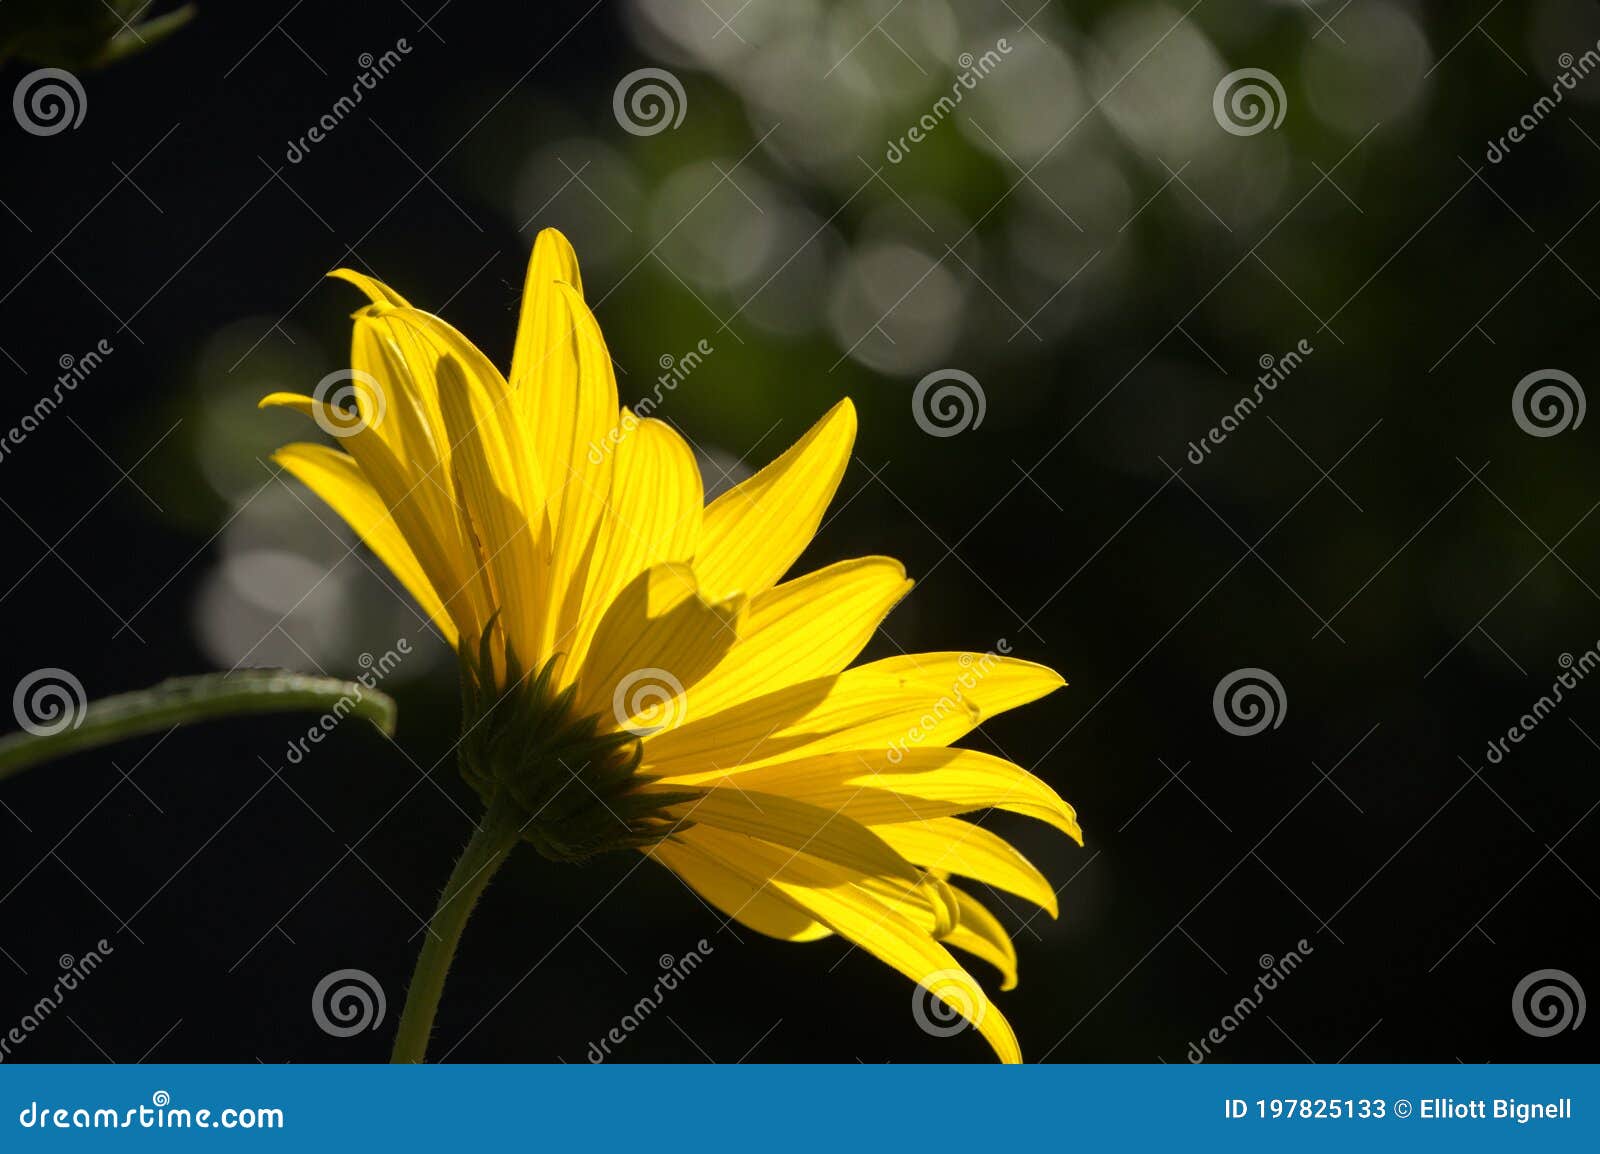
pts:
[960, 847]
[567, 393]
[380, 348]
[425, 342]
[799, 826]
[659, 637]
[491, 476]
[810, 627]
[435, 543]
[924, 783]
[980, 934]
[754, 531]
[930, 903]
[748, 904]
[544, 364]
[962, 923]
[900, 704]
[378, 292]
[653, 517]
[338, 480]
[413, 426]
[580, 492]
[829, 895]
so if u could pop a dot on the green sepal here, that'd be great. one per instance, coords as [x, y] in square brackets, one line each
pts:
[576, 787]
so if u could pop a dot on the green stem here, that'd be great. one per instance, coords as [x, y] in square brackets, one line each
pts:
[488, 847]
[182, 701]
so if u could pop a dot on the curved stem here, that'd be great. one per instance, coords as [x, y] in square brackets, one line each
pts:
[178, 701]
[488, 847]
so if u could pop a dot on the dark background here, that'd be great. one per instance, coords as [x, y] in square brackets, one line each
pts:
[1383, 491]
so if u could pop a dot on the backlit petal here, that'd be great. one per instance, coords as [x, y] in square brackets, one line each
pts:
[490, 478]
[749, 904]
[580, 489]
[800, 826]
[544, 363]
[434, 543]
[960, 847]
[810, 627]
[658, 639]
[981, 934]
[653, 517]
[900, 704]
[875, 789]
[829, 895]
[338, 480]
[756, 530]
[378, 292]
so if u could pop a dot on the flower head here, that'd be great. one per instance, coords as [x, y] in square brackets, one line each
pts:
[638, 674]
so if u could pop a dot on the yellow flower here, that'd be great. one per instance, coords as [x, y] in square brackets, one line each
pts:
[638, 673]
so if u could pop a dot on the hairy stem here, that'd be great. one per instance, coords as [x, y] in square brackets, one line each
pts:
[488, 847]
